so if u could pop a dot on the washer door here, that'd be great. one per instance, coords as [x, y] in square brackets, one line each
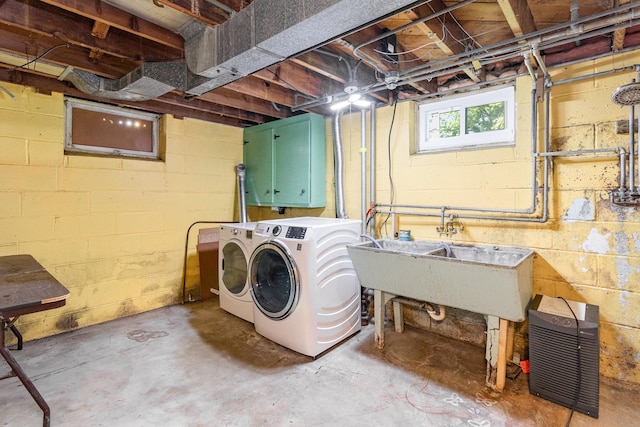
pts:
[234, 267]
[274, 279]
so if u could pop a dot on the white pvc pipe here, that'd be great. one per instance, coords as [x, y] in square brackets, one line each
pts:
[438, 316]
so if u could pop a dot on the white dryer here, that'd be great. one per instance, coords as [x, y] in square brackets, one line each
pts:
[303, 284]
[236, 244]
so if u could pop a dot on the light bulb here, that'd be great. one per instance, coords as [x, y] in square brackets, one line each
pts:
[340, 105]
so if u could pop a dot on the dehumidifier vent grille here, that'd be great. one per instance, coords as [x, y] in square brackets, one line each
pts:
[560, 371]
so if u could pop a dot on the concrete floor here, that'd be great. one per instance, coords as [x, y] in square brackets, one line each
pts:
[196, 365]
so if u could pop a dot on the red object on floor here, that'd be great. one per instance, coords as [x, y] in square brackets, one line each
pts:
[524, 364]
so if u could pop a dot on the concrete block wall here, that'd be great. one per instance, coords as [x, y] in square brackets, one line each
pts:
[587, 251]
[112, 230]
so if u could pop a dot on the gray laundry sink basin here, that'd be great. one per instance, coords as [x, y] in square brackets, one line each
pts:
[492, 280]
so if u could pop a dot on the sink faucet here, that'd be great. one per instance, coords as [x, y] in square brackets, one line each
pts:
[450, 227]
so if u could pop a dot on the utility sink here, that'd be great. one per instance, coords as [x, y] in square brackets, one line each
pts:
[492, 280]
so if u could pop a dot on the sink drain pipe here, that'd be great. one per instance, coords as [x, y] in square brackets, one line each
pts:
[435, 311]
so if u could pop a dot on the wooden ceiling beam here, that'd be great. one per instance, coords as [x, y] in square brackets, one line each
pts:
[177, 99]
[339, 73]
[48, 21]
[617, 43]
[118, 18]
[320, 64]
[518, 16]
[444, 31]
[110, 67]
[236, 5]
[201, 10]
[30, 45]
[294, 77]
[100, 29]
[262, 89]
[242, 101]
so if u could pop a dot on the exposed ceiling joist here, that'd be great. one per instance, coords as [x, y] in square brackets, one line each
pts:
[518, 15]
[201, 10]
[444, 31]
[113, 39]
[101, 11]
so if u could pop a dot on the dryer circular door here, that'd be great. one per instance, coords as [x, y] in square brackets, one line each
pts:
[275, 285]
[234, 267]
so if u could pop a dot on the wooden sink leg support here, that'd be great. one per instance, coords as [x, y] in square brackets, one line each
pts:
[380, 300]
[500, 334]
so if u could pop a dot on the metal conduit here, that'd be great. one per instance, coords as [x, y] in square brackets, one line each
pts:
[363, 170]
[510, 48]
[632, 167]
[537, 36]
[623, 157]
[534, 179]
[631, 172]
[372, 165]
[546, 155]
[338, 160]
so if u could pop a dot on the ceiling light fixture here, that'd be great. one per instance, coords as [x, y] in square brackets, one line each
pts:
[353, 99]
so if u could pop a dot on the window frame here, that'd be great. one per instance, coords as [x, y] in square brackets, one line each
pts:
[126, 113]
[499, 138]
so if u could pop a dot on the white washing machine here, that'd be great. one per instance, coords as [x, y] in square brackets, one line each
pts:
[236, 245]
[305, 291]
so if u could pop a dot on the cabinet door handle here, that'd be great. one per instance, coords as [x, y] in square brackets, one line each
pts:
[276, 136]
[302, 191]
[275, 191]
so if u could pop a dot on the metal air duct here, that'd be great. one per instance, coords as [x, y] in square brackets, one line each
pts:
[262, 34]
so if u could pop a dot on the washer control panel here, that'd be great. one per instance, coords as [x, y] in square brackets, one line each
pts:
[296, 233]
[286, 231]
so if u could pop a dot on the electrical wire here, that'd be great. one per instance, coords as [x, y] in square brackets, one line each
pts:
[283, 80]
[42, 55]
[579, 384]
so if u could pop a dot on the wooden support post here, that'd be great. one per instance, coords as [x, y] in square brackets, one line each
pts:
[511, 333]
[380, 300]
[398, 316]
[501, 375]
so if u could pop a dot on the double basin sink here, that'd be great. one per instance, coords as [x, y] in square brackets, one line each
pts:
[492, 280]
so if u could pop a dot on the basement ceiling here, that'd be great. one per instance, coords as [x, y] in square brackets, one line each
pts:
[312, 52]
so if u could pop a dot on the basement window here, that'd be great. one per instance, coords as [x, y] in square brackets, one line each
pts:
[100, 129]
[483, 119]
